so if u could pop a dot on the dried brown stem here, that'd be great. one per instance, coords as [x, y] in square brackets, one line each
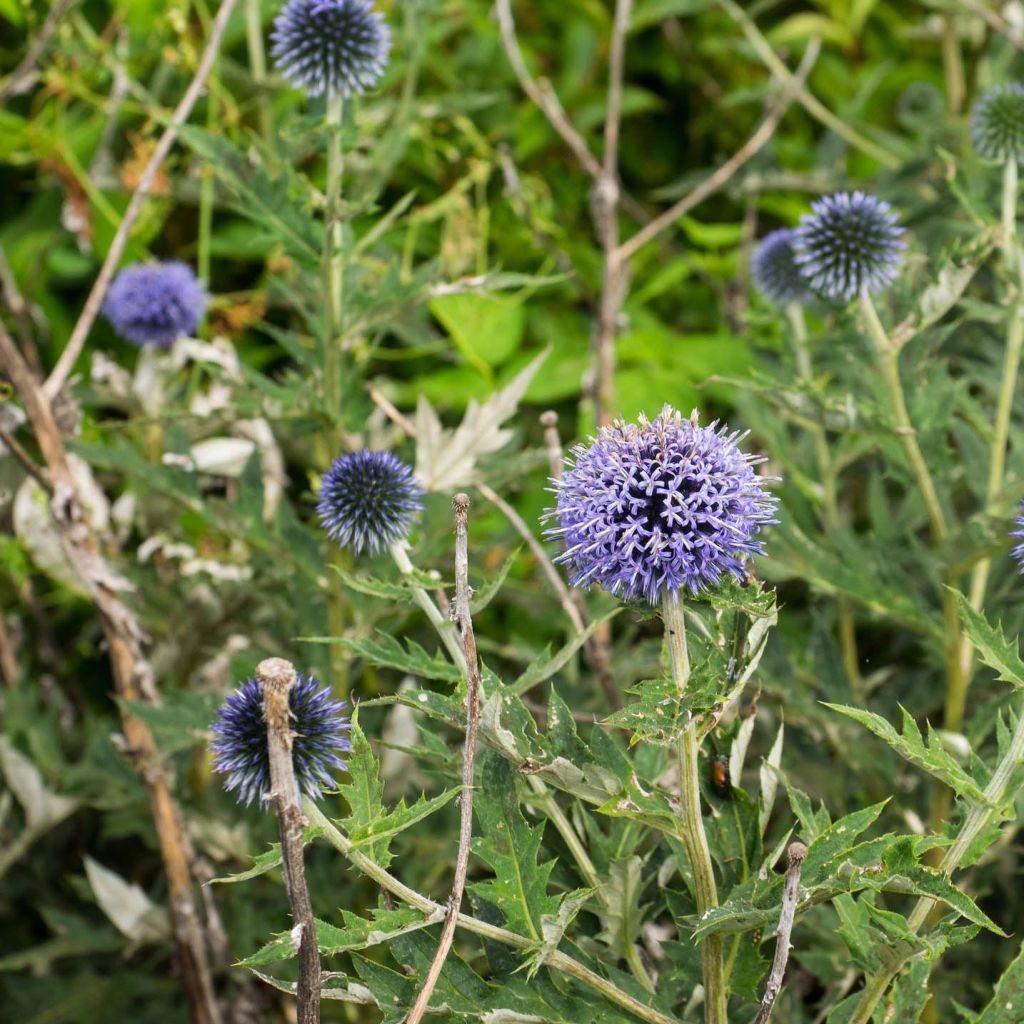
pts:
[464, 624]
[276, 677]
[790, 898]
[552, 443]
[27, 462]
[132, 679]
[8, 662]
[90, 311]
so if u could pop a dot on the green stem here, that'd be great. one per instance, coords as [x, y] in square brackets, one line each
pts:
[694, 839]
[830, 500]
[557, 961]
[445, 627]
[258, 62]
[953, 63]
[332, 258]
[976, 822]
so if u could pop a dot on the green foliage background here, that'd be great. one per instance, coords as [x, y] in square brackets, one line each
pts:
[453, 175]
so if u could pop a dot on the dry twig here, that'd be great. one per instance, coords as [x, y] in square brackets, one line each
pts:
[90, 311]
[23, 75]
[464, 623]
[276, 677]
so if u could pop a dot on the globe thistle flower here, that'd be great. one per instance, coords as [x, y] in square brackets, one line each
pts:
[851, 244]
[650, 508]
[368, 500]
[337, 47]
[997, 123]
[1018, 551]
[320, 738]
[774, 270]
[155, 303]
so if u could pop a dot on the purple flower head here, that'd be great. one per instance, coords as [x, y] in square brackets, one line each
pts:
[155, 303]
[368, 500]
[337, 47]
[1018, 551]
[774, 270]
[997, 123]
[649, 508]
[850, 244]
[319, 738]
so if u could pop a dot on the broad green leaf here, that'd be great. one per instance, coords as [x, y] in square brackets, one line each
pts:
[486, 329]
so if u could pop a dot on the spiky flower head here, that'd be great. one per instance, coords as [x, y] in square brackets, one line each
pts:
[650, 508]
[337, 47]
[997, 123]
[320, 738]
[1018, 551]
[850, 244]
[369, 500]
[774, 270]
[155, 303]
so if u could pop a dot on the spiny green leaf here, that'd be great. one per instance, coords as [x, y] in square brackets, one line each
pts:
[932, 758]
[385, 650]
[359, 932]
[401, 818]
[836, 841]
[364, 794]
[992, 647]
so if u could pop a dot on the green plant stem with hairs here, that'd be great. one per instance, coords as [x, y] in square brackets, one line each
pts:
[543, 797]
[692, 832]
[830, 502]
[876, 985]
[557, 960]
[333, 261]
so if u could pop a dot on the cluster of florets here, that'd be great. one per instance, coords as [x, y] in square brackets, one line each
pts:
[850, 244]
[155, 303]
[651, 508]
[332, 47]
[319, 740]
[997, 123]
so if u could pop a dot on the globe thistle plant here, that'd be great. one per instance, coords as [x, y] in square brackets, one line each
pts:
[369, 500]
[650, 508]
[774, 269]
[155, 303]
[1018, 550]
[850, 245]
[997, 123]
[332, 47]
[320, 739]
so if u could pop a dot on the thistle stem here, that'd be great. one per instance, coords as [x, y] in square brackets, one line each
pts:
[258, 62]
[692, 831]
[876, 985]
[830, 501]
[333, 265]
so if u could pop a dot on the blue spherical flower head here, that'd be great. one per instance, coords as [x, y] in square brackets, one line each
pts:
[369, 500]
[650, 508]
[1018, 551]
[320, 738]
[997, 123]
[155, 303]
[337, 47]
[774, 270]
[851, 244]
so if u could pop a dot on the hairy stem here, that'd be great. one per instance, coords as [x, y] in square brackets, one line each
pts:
[694, 839]
[333, 267]
[830, 501]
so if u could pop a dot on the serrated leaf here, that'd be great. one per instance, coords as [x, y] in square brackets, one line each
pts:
[446, 460]
[388, 652]
[662, 711]
[364, 794]
[910, 745]
[511, 848]
[1007, 1005]
[360, 932]
[554, 926]
[992, 647]
[262, 863]
[401, 818]
[836, 841]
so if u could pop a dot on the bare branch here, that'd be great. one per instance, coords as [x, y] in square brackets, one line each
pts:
[719, 178]
[27, 462]
[464, 622]
[133, 680]
[790, 897]
[23, 75]
[616, 69]
[552, 443]
[91, 309]
[276, 677]
[808, 101]
[542, 95]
